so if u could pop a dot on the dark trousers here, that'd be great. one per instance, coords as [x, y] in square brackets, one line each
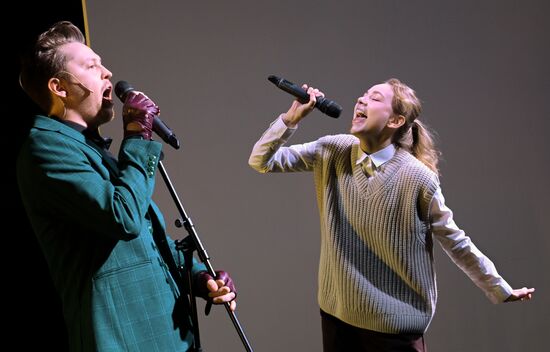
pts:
[342, 337]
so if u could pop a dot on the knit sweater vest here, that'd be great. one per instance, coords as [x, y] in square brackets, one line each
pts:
[376, 264]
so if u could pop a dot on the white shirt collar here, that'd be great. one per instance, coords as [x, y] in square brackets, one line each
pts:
[378, 158]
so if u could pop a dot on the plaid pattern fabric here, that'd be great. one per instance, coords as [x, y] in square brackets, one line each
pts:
[95, 225]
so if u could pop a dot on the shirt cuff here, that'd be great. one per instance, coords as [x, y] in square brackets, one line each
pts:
[281, 124]
[500, 293]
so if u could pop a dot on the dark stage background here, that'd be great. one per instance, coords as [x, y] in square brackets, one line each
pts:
[34, 320]
[481, 70]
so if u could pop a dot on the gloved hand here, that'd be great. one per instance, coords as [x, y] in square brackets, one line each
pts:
[138, 113]
[218, 291]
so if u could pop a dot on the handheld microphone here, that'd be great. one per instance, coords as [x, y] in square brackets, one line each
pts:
[328, 107]
[122, 88]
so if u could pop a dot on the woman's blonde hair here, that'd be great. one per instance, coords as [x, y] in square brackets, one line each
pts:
[413, 136]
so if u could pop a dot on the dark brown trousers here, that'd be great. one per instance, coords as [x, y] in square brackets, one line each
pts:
[342, 337]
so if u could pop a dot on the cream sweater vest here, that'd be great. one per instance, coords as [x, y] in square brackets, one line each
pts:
[376, 264]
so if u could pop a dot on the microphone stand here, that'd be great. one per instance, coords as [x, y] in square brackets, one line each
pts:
[188, 245]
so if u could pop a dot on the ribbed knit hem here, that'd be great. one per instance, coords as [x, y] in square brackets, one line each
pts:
[386, 323]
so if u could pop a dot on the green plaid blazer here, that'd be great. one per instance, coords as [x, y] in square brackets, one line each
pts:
[94, 219]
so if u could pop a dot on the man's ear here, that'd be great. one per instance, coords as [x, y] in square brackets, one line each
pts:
[55, 85]
[396, 121]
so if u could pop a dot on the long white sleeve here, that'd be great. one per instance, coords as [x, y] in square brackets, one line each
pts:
[269, 155]
[464, 253]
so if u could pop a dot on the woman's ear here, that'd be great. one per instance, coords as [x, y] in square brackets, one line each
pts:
[396, 121]
[55, 85]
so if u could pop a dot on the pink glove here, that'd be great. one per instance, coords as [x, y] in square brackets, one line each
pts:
[138, 113]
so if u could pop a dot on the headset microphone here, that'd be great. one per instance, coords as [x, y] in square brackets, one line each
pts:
[79, 82]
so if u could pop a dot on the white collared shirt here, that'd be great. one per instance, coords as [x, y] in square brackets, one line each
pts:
[378, 158]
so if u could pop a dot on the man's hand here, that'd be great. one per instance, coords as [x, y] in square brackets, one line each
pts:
[138, 113]
[216, 290]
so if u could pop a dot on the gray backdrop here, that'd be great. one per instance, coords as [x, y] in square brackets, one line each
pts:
[481, 70]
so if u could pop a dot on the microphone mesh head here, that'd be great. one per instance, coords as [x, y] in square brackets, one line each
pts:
[122, 88]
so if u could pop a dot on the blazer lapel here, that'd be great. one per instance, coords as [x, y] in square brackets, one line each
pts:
[47, 123]
[108, 159]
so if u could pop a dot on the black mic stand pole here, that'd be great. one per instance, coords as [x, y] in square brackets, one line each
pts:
[188, 245]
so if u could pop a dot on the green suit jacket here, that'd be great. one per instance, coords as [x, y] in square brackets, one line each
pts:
[94, 219]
